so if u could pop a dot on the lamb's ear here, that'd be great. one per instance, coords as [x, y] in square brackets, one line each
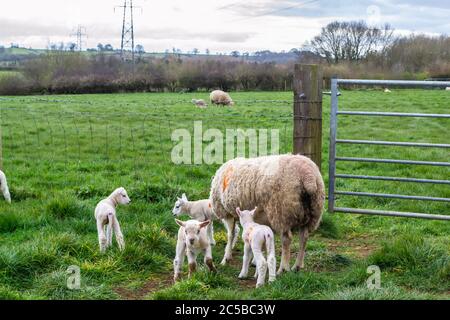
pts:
[180, 223]
[238, 211]
[184, 197]
[204, 224]
[254, 210]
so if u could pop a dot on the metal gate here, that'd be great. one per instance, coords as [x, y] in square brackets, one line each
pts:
[335, 112]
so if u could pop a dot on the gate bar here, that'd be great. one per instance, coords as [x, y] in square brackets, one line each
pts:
[390, 196]
[393, 143]
[424, 163]
[394, 214]
[395, 114]
[407, 83]
[333, 137]
[349, 176]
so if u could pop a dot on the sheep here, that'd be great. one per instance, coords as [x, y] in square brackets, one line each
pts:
[447, 89]
[192, 239]
[4, 187]
[386, 90]
[200, 211]
[221, 97]
[200, 103]
[256, 237]
[105, 215]
[287, 189]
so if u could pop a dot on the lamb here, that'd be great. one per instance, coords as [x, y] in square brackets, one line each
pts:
[447, 89]
[105, 215]
[256, 237]
[4, 187]
[287, 189]
[200, 103]
[201, 211]
[192, 239]
[221, 97]
[386, 90]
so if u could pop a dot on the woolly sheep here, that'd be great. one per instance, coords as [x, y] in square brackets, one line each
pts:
[4, 187]
[200, 103]
[192, 239]
[287, 189]
[105, 215]
[201, 211]
[256, 237]
[221, 97]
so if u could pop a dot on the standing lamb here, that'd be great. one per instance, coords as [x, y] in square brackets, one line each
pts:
[201, 211]
[192, 239]
[221, 97]
[287, 189]
[4, 187]
[105, 214]
[200, 103]
[256, 237]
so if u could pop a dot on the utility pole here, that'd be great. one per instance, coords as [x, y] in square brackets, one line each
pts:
[80, 34]
[127, 43]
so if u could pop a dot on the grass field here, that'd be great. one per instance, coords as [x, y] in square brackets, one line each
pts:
[62, 154]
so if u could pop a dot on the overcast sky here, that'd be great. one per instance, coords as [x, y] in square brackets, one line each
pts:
[219, 25]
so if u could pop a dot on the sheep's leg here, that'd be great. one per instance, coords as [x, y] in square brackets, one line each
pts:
[209, 260]
[229, 224]
[109, 233]
[299, 263]
[261, 266]
[118, 232]
[192, 261]
[180, 253]
[101, 236]
[285, 252]
[246, 261]
[236, 234]
[210, 230]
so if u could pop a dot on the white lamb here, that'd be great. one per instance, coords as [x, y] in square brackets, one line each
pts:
[201, 211]
[4, 187]
[192, 239]
[257, 237]
[199, 103]
[105, 214]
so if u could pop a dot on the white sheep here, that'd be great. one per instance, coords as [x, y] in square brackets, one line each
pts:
[386, 90]
[221, 97]
[105, 215]
[287, 189]
[201, 210]
[192, 239]
[199, 103]
[257, 237]
[4, 187]
[447, 89]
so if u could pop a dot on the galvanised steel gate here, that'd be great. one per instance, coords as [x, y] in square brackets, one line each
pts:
[335, 112]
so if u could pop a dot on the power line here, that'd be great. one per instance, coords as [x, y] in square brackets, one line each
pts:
[80, 34]
[127, 45]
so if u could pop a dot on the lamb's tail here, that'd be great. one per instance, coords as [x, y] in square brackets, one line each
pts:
[111, 219]
[4, 188]
[270, 243]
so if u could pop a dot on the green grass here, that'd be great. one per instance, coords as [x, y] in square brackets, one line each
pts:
[62, 154]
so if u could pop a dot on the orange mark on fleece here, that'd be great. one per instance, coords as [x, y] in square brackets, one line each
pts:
[209, 204]
[226, 178]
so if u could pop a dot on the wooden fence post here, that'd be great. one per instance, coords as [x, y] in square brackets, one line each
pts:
[308, 112]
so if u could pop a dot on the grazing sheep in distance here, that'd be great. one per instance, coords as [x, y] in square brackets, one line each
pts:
[200, 103]
[256, 237]
[4, 187]
[221, 97]
[105, 215]
[287, 189]
[192, 239]
[200, 210]
[386, 90]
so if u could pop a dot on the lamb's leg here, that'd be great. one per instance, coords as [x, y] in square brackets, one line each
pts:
[210, 230]
[285, 252]
[299, 263]
[109, 233]
[236, 234]
[229, 224]
[118, 232]
[272, 264]
[192, 261]
[209, 260]
[261, 265]
[246, 261]
[101, 236]
[179, 259]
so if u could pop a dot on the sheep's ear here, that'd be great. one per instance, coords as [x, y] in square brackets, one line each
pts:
[204, 224]
[238, 211]
[184, 197]
[180, 223]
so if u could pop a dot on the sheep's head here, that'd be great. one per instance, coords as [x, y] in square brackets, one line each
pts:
[121, 196]
[192, 229]
[246, 216]
[179, 204]
[231, 103]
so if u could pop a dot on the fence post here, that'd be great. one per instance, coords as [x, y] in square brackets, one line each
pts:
[308, 112]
